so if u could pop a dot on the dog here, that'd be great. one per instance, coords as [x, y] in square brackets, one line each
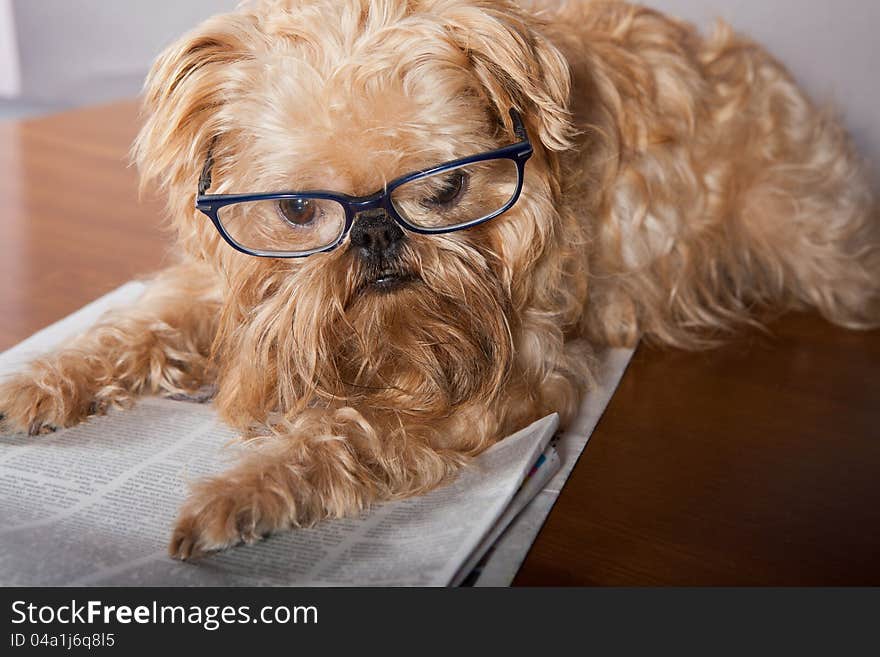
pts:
[402, 226]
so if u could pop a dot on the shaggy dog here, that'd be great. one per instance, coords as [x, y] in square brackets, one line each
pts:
[672, 185]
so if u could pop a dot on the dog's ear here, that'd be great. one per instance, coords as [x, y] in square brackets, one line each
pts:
[183, 98]
[517, 67]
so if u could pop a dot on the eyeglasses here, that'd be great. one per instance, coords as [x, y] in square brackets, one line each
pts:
[452, 196]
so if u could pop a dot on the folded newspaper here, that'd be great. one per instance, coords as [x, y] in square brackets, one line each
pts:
[94, 504]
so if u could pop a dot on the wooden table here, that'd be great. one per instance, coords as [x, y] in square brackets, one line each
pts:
[756, 463]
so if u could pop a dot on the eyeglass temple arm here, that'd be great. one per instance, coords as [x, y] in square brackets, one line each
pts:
[519, 129]
[205, 177]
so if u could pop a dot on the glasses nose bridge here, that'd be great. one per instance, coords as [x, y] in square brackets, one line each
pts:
[371, 206]
[367, 203]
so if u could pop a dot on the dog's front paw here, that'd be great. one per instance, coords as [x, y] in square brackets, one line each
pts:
[31, 406]
[217, 516]
[41, 402]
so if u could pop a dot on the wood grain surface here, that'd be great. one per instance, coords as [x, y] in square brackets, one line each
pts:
[754, 463]
[71, 226]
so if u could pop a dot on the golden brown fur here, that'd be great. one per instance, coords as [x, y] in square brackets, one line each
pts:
[678, 184]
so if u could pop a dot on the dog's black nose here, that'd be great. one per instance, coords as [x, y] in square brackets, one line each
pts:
[376, 236]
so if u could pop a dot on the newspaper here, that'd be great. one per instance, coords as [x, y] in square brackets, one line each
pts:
[548, 465]
[94, 504]
[509, 552]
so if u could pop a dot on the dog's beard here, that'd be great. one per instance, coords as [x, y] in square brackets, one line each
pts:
[436, 337]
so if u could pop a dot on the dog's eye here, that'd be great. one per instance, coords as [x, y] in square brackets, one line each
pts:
[297, 212]
[453, 187]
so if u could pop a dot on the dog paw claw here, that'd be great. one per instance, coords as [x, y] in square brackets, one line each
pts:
[39, 428]
[184, 546]
[215, 521]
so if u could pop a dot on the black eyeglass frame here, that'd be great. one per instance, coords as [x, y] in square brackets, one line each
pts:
[211, 204]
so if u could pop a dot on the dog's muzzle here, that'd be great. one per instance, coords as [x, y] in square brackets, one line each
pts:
[376, 238]
[378, 242]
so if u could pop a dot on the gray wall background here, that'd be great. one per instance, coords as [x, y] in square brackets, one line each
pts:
[85, 51]
[82, 51]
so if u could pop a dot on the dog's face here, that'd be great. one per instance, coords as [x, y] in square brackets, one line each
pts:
[347, 96]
